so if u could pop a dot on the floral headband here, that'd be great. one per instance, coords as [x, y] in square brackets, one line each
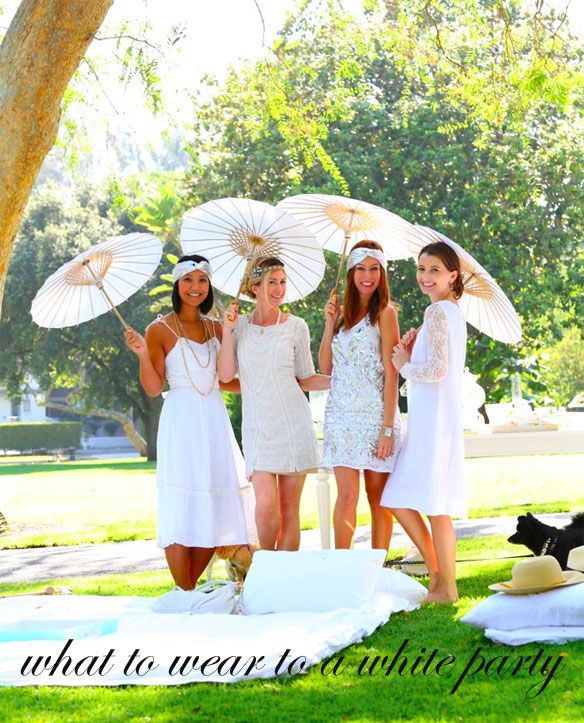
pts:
[357, 255]
[185, 267]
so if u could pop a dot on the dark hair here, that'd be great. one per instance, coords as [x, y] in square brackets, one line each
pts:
[450, 259]
[267, 264]
[207, 304]
[378, 301]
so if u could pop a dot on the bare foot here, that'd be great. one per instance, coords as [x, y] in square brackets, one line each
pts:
[441, 598]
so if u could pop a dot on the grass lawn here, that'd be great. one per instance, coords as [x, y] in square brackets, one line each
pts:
[350, 697]
[111, 500]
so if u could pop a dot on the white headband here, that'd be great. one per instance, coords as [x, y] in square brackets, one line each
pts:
[357, 255]
[185, 267]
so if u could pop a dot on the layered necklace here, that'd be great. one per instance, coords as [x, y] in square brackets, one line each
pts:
[181, 333]
[260, 336]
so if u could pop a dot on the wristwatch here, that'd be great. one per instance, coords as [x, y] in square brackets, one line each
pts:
[387, 432]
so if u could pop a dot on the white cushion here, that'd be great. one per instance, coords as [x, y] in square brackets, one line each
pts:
[311, 580]
[398, 584]
[564, 606]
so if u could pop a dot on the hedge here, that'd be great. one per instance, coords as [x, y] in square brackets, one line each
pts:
[33, 436]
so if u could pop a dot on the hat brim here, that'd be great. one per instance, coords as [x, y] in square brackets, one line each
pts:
[571, 577]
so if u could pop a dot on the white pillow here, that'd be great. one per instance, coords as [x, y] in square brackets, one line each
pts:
[399, 584]
[553, 635]
[564, 606]
[310, 580]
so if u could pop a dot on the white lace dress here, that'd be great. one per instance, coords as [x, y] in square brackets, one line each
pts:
[429, 473]
[354, 410]
[277, 428]
[200, 473]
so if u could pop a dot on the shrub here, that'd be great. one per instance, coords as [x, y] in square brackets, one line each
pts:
[30, 437]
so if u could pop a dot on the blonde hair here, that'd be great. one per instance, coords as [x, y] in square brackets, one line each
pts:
[259, 272]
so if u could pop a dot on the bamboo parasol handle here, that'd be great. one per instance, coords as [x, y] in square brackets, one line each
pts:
[347, 231]
[99, 283]
[248, 266]
[342, 262]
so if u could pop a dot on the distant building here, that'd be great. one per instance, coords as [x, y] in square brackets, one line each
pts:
[24, 410]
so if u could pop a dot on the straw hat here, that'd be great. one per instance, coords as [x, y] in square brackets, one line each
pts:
[537, 574]
[576, 558]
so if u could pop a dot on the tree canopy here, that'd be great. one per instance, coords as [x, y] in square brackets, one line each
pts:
[91, 359]
[456, 115]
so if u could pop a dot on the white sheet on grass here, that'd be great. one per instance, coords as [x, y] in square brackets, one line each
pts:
[551, 634]
[160, 637]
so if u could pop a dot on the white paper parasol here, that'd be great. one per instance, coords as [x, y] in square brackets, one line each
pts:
[233, 232]
[96, 281]
[483, 303]
[336, 221]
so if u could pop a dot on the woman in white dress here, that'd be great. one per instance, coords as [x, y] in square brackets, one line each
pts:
[361, 424]
[270, 350]
[429, 474]
[200, 469]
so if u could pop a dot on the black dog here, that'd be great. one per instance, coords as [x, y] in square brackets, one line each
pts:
[544, 539]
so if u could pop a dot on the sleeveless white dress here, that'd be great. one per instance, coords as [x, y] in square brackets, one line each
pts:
[277, 428]
[200, 472]
[429, 473]
[353, 416]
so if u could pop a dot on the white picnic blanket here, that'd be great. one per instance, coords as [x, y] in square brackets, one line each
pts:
[152, 648]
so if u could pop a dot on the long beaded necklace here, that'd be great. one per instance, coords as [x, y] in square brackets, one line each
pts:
[180, 327]
[205, 340]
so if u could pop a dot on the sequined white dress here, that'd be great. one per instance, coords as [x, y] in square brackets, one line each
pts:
[354, 410]
[200, 473]
[277, 428]
[429, 474]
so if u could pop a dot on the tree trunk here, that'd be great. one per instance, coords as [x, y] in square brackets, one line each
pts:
[42, 48]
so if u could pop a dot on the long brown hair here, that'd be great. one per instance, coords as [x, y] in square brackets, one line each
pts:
[378, 301]
[450, 259]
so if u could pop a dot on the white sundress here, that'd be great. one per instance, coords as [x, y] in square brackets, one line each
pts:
[200, 472]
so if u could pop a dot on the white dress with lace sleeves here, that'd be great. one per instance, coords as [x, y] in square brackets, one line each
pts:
[435, 367]
[429, 473]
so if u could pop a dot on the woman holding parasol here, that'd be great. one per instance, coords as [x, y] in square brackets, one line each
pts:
[362, 424]
[200, 470]
[270, 350]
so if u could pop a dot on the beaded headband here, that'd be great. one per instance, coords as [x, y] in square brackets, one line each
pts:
[257, 271]
[357, 255]
[185, 267]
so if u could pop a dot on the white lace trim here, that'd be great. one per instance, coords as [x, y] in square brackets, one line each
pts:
[435, 367]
